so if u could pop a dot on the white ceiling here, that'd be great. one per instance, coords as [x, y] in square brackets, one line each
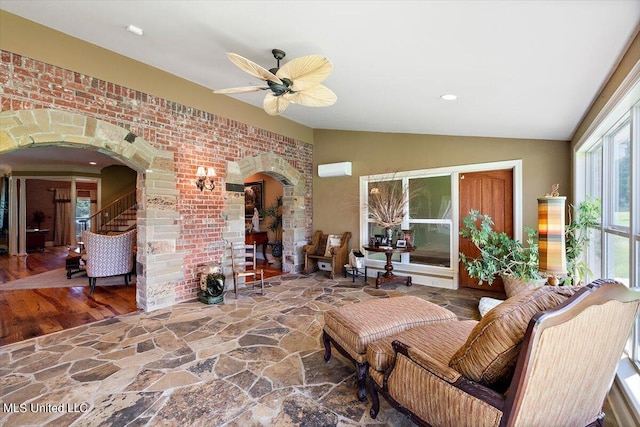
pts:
[521, 69]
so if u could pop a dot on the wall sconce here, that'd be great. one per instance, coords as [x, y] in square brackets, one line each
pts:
[551, 243]
[205, 181]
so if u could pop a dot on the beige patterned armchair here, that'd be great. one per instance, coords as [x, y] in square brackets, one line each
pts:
[108, 255]
[510, 369]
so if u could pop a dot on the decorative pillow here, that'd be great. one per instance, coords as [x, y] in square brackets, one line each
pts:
[491, 351]
[333, 240]
[515, 285]
[486, 304]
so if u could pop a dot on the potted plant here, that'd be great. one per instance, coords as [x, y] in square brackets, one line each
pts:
[211, 285]
[500, 255]
[577, 236]
[274, 211]
[38, 218]
[517, 264]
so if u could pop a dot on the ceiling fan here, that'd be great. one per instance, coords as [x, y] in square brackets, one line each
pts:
[297, 81]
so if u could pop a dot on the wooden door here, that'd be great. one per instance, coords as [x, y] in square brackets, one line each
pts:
[491, 193]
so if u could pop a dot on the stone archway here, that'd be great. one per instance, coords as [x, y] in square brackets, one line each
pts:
[293, 204]
[156, 187]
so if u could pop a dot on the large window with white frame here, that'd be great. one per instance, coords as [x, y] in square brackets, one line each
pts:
[428, 216]
[607, 166]
[611, 165]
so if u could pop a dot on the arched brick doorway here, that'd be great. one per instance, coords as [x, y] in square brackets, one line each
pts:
[156, 187]
[294, 217]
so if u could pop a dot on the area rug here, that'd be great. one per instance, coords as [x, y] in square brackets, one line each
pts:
[58, 279]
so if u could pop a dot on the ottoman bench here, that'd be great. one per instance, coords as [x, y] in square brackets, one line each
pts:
[351, 328]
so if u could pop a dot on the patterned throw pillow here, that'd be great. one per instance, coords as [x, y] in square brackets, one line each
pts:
[491, 351]
[333, 240]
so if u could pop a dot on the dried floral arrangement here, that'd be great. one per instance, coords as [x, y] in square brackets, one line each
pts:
[388, 202]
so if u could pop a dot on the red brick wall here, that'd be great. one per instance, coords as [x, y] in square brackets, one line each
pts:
[195, 137]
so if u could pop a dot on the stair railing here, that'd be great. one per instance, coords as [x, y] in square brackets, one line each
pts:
[108, 218]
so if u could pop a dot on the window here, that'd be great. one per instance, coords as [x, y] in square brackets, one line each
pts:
[428, 215]
[610, 165]
[83, 213]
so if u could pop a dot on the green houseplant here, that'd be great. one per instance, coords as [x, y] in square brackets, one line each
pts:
[274, 211]
[577, 236]
[500, 255]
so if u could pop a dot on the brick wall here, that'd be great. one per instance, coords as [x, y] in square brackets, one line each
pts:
[195, 137]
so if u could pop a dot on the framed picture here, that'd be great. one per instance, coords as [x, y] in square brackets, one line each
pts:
[253, 198]
[401, 243]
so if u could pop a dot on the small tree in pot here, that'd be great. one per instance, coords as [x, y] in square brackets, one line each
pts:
[275, 211]
[499, 254]
[517, 264]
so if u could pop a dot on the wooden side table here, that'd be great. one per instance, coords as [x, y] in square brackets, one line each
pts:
[72, 263]
[259, 238]
[388, 276]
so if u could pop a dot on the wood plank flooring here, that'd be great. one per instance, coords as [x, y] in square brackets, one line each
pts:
[30, 313]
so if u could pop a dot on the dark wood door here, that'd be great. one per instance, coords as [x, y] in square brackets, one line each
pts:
[491, 193]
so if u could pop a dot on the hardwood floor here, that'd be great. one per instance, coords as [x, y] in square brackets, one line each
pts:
[30, 313]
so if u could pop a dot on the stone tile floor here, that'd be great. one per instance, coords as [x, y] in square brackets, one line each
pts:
[255, 361]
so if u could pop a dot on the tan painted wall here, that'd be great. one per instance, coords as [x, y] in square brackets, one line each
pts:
[116, 181]
[335, 200]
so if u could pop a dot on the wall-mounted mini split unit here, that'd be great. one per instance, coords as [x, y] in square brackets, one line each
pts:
[334, 169]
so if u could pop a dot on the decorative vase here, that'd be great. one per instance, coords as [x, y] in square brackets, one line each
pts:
[515, 285]
[389, 232]
[276, 249]
[211, 286]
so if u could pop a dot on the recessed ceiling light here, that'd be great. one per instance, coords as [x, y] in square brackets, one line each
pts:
[135, 30]
[449, 97]
[92, 163]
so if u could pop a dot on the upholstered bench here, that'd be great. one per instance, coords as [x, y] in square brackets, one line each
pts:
[351, 328]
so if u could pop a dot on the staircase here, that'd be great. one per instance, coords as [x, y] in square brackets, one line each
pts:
[119, 216]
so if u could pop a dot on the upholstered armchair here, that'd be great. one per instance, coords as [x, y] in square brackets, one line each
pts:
[529, 362]
[108, 255]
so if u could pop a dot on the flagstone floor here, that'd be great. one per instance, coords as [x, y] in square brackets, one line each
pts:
[254, 361]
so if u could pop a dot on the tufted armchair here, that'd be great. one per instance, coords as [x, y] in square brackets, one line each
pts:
[108, 255]
[529, 362]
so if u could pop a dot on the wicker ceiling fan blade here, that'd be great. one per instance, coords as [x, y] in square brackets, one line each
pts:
[252, 68]
[317, 96]
[243, 89]
[274, 105]
[306, 71]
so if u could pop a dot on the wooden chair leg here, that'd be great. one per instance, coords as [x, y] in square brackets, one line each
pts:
[262, 282]
[235, 285]
[361, 379]
[375, 400]
[327, 346]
